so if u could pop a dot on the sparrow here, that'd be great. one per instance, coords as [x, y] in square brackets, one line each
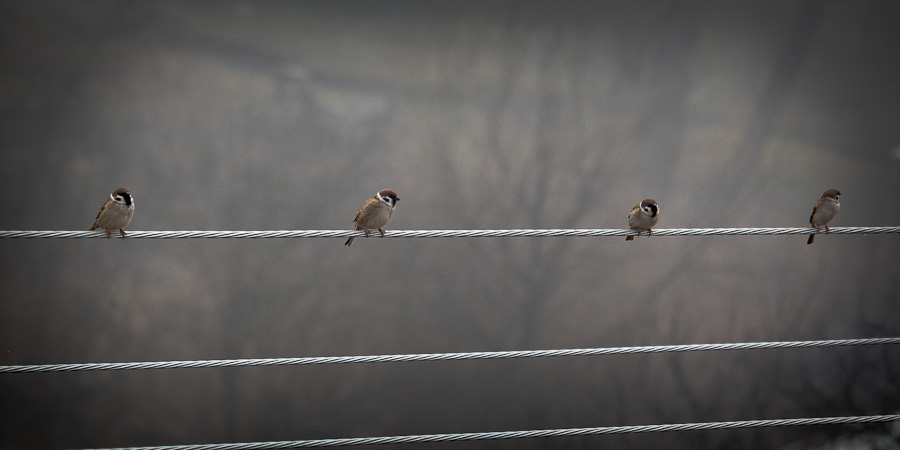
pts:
[375, 212]
[643, 216]
[824, 210]
[116, 212]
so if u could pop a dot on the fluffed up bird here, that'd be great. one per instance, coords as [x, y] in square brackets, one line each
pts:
[643, 216]
[116, 212]
[375, 212]
[824, 210]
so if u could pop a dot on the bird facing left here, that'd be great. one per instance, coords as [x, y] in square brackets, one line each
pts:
[116, 212]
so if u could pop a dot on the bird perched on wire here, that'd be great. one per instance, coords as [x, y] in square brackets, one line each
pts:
[643, 216]
[375, 212]
[116, 212]
[824, 210]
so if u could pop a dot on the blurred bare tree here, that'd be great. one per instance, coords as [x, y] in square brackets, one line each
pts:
[281, 115]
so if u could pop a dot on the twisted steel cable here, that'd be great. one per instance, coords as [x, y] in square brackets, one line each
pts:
[284, 234]
[529, 433]
[440, 356]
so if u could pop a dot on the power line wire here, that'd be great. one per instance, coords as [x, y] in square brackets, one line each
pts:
[283, 234]
[440, 356]
[450, 437]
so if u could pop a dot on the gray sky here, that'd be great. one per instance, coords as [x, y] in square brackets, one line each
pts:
[285, 115]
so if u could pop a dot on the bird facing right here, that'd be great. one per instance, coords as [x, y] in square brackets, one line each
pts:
[643, 216]
[824, 210]
[116, 212]
[375, 212]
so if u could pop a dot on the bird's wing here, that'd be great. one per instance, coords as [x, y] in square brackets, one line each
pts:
[367, 205]
[97, 219]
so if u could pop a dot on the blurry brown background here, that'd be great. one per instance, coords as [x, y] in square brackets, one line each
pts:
[288, 115]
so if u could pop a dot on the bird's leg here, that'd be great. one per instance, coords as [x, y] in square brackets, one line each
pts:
[366, 230]
[827, 230]
[381, 230]
[649, 232]
[108, 235]
[122, 232]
